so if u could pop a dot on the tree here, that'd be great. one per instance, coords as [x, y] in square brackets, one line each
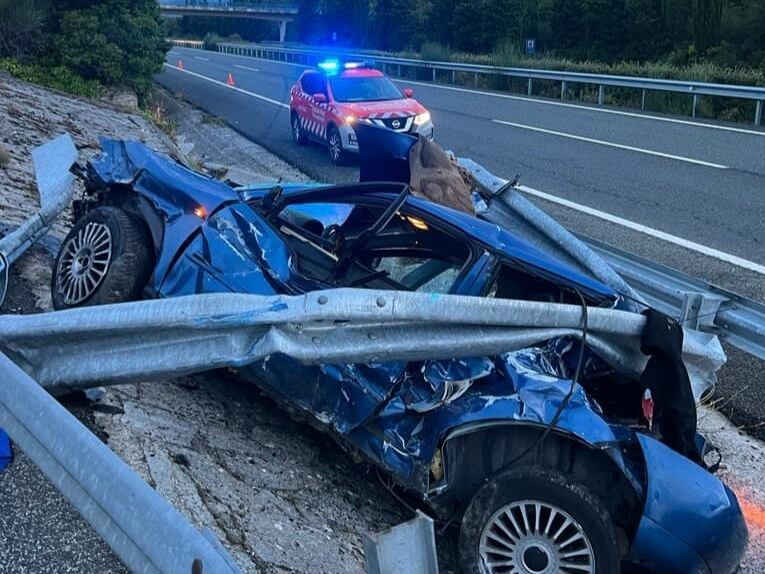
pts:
[117, 42]
[22, 24]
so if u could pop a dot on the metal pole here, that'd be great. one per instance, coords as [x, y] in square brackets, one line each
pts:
[530, 87]
[695, 103]
[434, 75]
[601, 90]
[475, 79]
[642, 103]
[454, 77]
[758, 113]
[563, 86]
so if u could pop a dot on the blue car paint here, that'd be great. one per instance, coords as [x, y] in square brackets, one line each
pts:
[6, 451]
[692, 507]
[400, 418]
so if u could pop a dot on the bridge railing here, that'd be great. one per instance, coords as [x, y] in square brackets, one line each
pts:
[447, 72]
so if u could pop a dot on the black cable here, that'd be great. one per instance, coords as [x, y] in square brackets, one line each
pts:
[567, 398]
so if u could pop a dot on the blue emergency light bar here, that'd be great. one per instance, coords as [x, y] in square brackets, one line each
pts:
[333, 65]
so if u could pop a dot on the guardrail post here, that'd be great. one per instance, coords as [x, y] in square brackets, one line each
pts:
[454, 77]
[530, 87]
[475, 79]
[758, 113]
[601, 90]
[563, 86]
[695, 103]
[642, 102]
[434, 75]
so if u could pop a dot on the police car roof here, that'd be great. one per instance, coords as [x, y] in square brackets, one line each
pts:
[355, 73]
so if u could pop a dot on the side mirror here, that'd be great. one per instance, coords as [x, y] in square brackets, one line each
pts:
[408, 92]
[320, 98]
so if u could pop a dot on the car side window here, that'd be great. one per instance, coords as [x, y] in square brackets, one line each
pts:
[308, 83]
[513, 283]
[313, 83]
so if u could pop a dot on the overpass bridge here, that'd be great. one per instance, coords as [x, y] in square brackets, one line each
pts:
[281, 12]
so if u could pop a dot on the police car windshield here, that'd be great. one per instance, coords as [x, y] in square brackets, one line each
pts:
[364, 89]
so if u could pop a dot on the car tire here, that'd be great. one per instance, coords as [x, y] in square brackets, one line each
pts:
[106, 258]
[337, 154]
[486, 526]
[298, 135]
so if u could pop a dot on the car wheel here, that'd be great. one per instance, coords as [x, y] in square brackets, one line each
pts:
[335, 144]
[534, 521]
[105, 258]
[298, 136]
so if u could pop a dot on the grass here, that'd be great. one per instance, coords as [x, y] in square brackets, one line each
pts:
[55, 77]
[157, 114]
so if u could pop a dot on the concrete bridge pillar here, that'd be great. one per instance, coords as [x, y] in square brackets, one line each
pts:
[282, 30]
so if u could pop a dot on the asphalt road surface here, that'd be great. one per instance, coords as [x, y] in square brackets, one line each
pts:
[688, 194]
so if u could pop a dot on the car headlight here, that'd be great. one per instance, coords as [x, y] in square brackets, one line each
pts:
[421, 119]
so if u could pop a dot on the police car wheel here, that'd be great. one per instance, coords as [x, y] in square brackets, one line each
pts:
[297, 131]
[335, 145]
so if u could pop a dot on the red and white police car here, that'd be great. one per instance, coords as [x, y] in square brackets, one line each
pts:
[325, 104]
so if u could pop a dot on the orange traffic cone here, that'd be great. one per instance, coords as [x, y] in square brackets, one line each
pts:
[230, 80]
[180, 65]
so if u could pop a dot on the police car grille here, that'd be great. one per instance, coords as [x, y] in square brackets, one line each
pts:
[395, 123]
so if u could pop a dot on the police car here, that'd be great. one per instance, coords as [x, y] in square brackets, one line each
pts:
[326, 103]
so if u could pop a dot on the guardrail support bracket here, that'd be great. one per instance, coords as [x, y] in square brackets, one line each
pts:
[699, 310]
[409, 548]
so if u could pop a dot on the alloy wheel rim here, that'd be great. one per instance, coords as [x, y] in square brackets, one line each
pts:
[295, 129]
[334, 145]
[534, 537]
[84, 262]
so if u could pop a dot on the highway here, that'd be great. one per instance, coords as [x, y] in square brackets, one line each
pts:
[681, 192]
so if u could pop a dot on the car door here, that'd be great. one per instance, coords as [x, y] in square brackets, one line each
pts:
[314, 112]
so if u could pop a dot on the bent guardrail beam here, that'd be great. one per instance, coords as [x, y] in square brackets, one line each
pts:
[54, 183]
[147, 534]
[150, 340]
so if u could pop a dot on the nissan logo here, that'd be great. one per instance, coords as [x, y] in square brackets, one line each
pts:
[396, 124]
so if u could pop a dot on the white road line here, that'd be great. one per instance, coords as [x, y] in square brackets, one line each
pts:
[203, 59]
[246, 68]
[679, 241]
[225, 85]
[612, 144]
[583, 107]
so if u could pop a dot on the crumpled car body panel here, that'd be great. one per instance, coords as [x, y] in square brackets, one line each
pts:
[213, 239]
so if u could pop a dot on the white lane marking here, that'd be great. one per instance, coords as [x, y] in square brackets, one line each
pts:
[612, 144]
[225, 85]
[679, 241]
[203, 59]
[583, 107]
[246, 68]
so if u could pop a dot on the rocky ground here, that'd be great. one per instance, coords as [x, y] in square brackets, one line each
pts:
[281, 497]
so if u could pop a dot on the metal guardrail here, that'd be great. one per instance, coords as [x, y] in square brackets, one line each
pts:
[699, 305]
[147, 534]
[695, 89]
[54, 184]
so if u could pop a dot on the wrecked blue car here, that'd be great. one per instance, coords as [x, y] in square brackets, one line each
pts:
[549, 459]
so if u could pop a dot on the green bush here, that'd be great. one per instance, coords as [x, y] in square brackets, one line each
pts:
[115, 42]
[56, 77]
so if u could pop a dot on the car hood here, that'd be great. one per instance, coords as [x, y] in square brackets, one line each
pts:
[388, 109]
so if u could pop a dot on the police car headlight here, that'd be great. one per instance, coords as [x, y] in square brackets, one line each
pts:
[421, 119]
